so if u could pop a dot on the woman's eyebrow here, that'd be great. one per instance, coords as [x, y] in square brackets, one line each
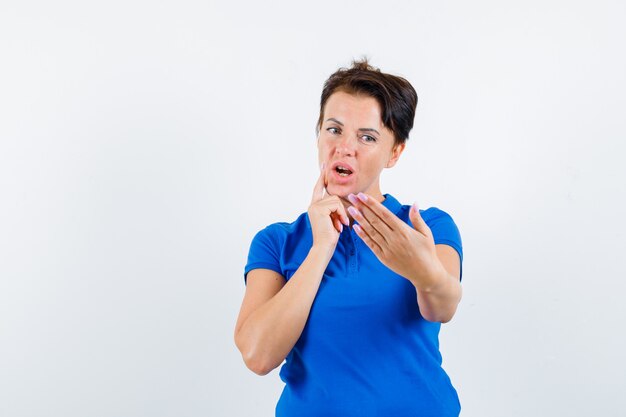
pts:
[332, 119]
[369, 129]
[363, 129]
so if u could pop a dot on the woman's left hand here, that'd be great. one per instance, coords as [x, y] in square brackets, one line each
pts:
[408, 251]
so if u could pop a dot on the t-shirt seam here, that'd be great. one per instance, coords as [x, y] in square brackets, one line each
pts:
[260, 265]
[452, 243]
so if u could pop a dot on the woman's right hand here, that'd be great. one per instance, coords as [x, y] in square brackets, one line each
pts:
[326, 214]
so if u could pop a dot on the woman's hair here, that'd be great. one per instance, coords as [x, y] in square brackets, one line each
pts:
[395, 95]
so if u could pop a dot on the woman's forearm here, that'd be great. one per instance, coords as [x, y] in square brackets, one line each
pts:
[439, 298]
[271, 331]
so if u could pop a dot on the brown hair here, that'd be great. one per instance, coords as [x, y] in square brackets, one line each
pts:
[395, 95]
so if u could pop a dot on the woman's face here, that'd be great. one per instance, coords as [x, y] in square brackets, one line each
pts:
[354, 145]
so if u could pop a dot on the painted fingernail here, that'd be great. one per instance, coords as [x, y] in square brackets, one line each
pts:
[357, 228]
[352, 198]
[415, 208]
[354, 212]
[362, 197]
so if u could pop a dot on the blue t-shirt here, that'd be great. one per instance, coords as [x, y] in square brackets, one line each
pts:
[365, 350]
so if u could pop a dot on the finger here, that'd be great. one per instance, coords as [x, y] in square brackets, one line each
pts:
[338, 210]
[375, 247]
[375, 207]
[374, 234]
[320, 186]
[338, 224]
[342, 213]
[373, 217]
[417, 221]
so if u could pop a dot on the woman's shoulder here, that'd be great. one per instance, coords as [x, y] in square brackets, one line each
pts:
[433, 213]
[440, 222]
[281, 230]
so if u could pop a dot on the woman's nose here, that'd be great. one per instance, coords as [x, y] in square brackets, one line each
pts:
[346, 146]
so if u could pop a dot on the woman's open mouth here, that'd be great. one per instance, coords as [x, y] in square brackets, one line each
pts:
[342, 173]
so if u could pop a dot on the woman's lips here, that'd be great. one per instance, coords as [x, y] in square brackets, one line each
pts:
[343, 165]
[341, 179]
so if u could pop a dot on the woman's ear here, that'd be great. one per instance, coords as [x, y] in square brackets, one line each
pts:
[395, 154]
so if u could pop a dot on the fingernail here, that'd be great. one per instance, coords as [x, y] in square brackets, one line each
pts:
[352, 198]
[357, 228]
[415, 208]
[353, 211]
[362, 197]
[323, 166]
[340, 227]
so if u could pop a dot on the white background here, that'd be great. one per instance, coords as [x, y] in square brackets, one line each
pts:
[143, 144]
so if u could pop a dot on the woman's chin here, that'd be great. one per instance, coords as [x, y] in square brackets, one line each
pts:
[341, 191]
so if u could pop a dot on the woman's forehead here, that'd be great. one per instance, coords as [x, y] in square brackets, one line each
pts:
[353, 108]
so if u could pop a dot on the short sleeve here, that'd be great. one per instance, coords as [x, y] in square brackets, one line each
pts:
[264, 252]
[446, 232]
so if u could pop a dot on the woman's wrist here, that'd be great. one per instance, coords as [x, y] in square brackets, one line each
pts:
[324, 251]
[432, 281]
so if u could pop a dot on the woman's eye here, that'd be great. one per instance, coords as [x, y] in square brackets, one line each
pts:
[368, 138]
[333, 130]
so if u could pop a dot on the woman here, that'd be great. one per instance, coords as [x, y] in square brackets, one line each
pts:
[352, 293]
